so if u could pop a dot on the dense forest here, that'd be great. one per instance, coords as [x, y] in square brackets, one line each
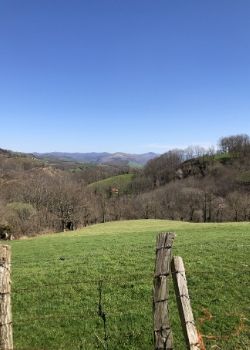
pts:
[196, 185]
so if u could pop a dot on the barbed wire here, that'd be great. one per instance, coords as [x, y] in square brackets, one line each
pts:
[131, 285]
[189, 271]
[91, 316]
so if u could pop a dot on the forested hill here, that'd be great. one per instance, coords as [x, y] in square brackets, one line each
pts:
[197, 185]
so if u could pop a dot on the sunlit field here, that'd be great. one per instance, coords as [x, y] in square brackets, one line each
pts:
[57, 280]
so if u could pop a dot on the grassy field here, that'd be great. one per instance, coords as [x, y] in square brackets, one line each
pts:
[121, 182]
[56, 279]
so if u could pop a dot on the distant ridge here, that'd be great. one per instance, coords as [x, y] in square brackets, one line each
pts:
[118, 158]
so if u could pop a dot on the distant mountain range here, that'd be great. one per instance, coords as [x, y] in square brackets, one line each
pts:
[118, 158]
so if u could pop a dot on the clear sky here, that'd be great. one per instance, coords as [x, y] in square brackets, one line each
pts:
[122, 75]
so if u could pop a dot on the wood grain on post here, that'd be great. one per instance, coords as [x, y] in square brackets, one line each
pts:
[6, 337]
[184, 305]
[163, 337]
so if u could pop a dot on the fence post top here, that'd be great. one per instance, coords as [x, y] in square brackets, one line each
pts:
[165, 240]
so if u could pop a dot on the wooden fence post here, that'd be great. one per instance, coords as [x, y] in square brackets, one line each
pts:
[184, 305]
[6, 337]
[163, 338]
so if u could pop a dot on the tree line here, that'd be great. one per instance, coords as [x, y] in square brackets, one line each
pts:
[195, 185]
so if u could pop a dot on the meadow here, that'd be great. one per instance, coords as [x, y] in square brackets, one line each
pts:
[57, 280]
[121, 182]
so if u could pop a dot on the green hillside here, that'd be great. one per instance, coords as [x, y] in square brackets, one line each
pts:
[119, 182]
[56, 278]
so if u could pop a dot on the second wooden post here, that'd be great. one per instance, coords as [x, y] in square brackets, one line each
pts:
[184, 304]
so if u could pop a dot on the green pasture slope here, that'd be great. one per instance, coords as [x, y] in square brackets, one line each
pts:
[121, 182]
[55, 285]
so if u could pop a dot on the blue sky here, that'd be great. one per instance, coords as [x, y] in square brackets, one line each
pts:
[122, 75]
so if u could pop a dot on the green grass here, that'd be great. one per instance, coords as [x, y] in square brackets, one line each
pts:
[121, 182]
[55, 285]
[135, 165]
[224, 158]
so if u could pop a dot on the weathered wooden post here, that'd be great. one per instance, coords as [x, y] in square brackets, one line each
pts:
[163, 338]
[6, 336]
[184, 305]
